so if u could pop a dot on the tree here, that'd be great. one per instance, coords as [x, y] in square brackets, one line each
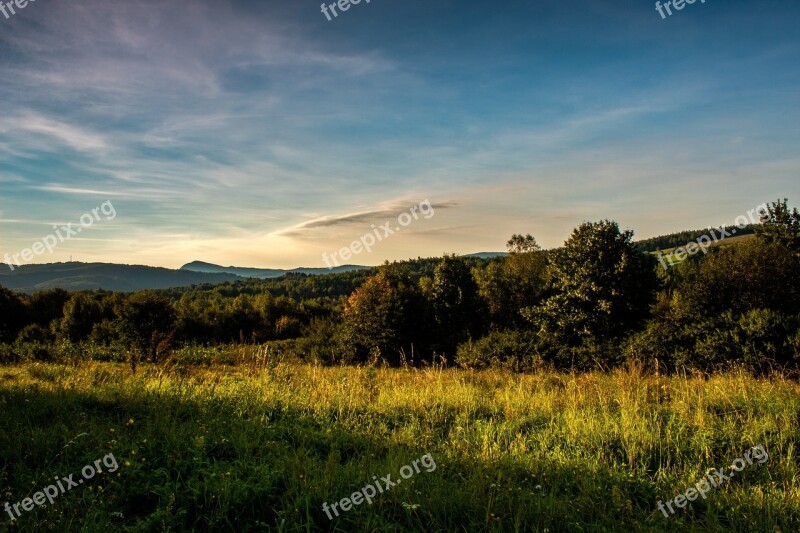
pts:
[510, 284]
[384, 316]
[47, 306]
[741, 278]
[81, 313]
[518, 244]
[12, 315]
[781, 226]
[602, 288]
[146, 322]
[458, 309]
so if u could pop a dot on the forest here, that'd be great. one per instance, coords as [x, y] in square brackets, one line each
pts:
[598, 302]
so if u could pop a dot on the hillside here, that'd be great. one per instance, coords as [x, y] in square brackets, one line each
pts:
[265, 273]
[77, 276]
[682, 238]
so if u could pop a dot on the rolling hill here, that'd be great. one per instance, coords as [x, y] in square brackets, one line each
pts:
[89, 276]
[264, 273]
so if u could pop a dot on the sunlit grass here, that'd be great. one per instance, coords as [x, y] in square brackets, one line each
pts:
[235, 448]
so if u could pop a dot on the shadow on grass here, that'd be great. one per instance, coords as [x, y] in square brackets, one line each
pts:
[219, 465]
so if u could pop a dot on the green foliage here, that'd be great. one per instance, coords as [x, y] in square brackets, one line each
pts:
[780, 225]
[763, 336]
[146, 320]
[458, 310]
[511, 349]
[34, 333]
[601, 290]
[8, 354]
[46, 306]
[34, 343]
[12, 315]
[511, 284]
[383, 317]
[752, 275]
[760, 340]
[324, 342]
[81, 313]
[592, 304]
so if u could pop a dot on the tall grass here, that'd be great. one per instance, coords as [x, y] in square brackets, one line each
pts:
[261, 448]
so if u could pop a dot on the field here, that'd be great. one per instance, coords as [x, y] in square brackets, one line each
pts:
[668, 254]
[247, 449]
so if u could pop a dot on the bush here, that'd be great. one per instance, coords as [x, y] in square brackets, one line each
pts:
[654, 347]
[759, 339]
[8, 355]
[104, 333]
[194, 354]
[34, 351]
[322, 342]
[763, 336]
[511, 349]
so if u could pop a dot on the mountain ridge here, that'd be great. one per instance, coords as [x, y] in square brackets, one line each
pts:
[265, 273]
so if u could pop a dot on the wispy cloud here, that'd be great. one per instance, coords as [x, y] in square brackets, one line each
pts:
[357, 218]
[250, 132]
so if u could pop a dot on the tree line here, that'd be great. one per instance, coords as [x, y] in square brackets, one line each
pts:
[599, 301]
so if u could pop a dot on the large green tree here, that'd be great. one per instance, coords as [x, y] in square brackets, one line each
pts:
[602, 288]
[47, 306]
[510, 284]
[384, 317]
[459, 312]
[146, 321]
[81, 313]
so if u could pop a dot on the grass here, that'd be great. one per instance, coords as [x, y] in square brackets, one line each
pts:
[668, 254]
[242, 449]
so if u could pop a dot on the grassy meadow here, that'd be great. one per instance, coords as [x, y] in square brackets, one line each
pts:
[260, 449]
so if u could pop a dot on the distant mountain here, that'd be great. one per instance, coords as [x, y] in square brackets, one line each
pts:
[75, 276]
[89, 276]
[265, 273]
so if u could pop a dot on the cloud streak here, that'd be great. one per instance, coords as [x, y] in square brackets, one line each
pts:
[356, 218]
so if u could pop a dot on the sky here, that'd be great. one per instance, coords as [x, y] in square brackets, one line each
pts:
[262, 134]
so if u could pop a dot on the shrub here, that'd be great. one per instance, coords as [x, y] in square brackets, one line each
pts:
[34, 333]
[323, 342]
[655, 346]
[759, 339]
[8, 355]
[763, 336]
[34, 351]
[511, 349]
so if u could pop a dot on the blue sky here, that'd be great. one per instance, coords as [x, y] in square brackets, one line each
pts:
[261, 134]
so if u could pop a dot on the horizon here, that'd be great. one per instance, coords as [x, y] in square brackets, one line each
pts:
[251, 134]
[300, 267]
